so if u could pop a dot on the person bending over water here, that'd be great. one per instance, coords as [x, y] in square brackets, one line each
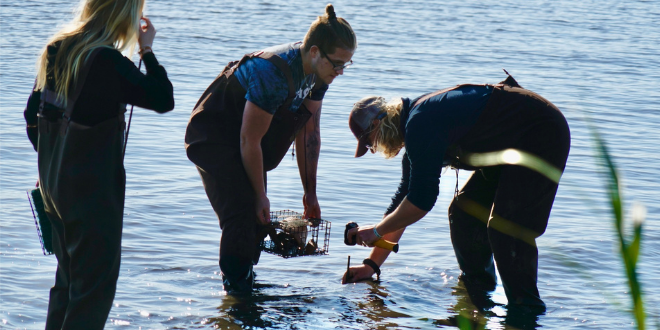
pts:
[243, 126]
[75, 121]
[501, 209]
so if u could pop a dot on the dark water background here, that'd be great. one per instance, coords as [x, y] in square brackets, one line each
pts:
[593, 59]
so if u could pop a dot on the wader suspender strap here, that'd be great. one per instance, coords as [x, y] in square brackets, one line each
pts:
[277, 62]
[509, 81]
[82, 76]
[48, 96]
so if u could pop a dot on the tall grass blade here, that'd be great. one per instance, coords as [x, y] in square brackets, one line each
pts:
[629, 250]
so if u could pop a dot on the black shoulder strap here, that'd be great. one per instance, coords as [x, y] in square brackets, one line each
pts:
[50, 96]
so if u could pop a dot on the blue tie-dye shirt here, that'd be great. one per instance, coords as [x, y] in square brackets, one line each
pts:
[266, 85]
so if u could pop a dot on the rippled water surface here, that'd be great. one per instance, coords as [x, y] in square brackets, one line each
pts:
[593, 59]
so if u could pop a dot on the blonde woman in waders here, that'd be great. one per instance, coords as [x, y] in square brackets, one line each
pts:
[501, 209]
[243, 126]
[75, 121]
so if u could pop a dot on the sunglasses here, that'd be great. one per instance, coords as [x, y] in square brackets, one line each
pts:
[336, 67]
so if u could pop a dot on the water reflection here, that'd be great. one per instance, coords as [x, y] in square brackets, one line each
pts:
[522, 318]
[375, 307]
[261, 311]
[475, 309]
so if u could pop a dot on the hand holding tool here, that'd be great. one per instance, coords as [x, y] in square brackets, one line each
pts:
[381, 243]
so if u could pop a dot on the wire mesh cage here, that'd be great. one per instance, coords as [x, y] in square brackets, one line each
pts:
[289, 235]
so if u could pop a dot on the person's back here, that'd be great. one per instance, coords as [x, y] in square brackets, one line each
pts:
[75, 118]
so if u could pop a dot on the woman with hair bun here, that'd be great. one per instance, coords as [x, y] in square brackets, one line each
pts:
[75, 121]
[243, 126]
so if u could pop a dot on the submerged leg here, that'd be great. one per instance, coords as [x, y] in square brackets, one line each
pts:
[468, 217]
[232, 197]
[520, 215]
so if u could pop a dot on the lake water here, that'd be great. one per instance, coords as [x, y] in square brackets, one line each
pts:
[593, 59]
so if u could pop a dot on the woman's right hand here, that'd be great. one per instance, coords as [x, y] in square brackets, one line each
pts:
[263, 209]
[146, 34]
[357, 273]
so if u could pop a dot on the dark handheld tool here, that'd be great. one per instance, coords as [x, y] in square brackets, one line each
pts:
[381, 243]
[44, 227]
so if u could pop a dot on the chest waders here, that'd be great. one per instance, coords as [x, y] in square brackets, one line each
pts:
[501, 210]
[82, 180]
[213, 145]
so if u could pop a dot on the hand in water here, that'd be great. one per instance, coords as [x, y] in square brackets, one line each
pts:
[357, 274]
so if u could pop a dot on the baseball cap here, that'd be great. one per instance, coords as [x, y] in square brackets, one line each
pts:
[363, 114]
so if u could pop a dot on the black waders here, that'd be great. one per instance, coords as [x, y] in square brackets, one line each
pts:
[82, 179]
[501, 210]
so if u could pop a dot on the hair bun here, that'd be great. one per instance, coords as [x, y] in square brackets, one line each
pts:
[330, 11]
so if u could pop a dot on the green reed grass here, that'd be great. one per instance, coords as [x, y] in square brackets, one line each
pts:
[629, 247]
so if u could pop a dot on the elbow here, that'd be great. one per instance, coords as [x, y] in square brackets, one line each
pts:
[249, 145]
[169, 106]
[165, 105]
[244, 142]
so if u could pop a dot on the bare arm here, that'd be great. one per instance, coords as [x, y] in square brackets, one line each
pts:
[403, 216]
[308, 143]
[255, 125]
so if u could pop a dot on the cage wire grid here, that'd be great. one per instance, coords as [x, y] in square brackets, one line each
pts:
[289, 235]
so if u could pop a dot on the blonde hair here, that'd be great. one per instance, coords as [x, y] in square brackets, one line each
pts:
[97, 23]
[389, 139]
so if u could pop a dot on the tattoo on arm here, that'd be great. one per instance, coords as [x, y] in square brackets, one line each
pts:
[313, 138]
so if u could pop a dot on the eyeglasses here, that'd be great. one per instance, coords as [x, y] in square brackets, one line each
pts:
[335, 66]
